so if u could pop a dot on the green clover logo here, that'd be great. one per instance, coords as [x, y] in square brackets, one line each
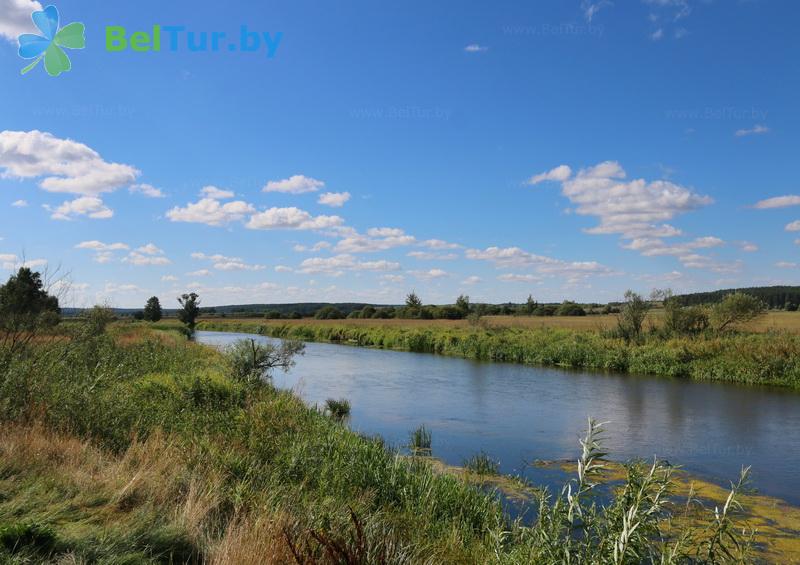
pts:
[48, 46]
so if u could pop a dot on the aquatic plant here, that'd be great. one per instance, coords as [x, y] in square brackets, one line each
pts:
[482, 464]
[338, 409]
[420, 441]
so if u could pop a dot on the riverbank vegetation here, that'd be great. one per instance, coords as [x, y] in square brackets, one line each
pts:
[123, 444]
[711, 345]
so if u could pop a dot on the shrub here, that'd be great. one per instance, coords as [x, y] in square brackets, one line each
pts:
[252, 361]
[338, 409]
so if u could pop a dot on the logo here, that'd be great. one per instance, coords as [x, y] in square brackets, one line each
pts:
[49, 46]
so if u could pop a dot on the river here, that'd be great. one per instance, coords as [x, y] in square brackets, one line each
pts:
[518, 414]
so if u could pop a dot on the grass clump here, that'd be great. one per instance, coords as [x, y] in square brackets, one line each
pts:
[482, 464]
[337, 409]
[421, 441]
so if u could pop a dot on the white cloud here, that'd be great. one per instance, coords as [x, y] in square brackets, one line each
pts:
[475, 48]
[655, 247]
[237, 266]
[319, 246]
[216, 193]
[95, 245]
[291, 219]
[376, 239]
[169, 278]
[67, 166]
[430, 274]
[560, 174]
[337, 264]
[657, 35]
[333, 199]
[629, 208]
[147, 190]
[114, 288]
[224, 263]
[778, 202]
[472, 280]
[211, 212]
[89, 206]
[296, 184]
[140, 259]
[283, 269]
[786, 265]
[758, 129]
[15, 18]
[513, 277]
[429, 256]
[200, 273]
[794, 226]
[393, 278]
[10, 262]
[439, 244]
[20, 204]
[150, 249]
[514, 257]
[747, 246]
[590, 9]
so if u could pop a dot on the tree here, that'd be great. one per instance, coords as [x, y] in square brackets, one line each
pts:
[413, 301]
[736, 308]
[679, 319]
[569, 308]
[329, 313]
[252, 361]
[530, 305]
[189, 310]
[25, 304]
[463, 305]
[632, 314]
[152, 310]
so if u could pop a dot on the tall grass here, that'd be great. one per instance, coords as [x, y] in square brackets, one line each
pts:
[769, 358]
[420, 441]
[140, 448]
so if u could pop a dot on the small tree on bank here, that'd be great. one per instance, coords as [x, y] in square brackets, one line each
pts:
[632, 315]
[737, 308]
[152, 310]
[189, 310]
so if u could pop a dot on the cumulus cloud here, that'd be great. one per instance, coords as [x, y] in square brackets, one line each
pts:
[150, 249]
[514, 257]
[199, 273]
[337, 264]
[474, 279]
[103, 252]
[438, 244]
[20, 204]
[283, 269]
[758, 129]
[333, 199]
[15, 18]
[475, 48]
[778, 202]
[67, 166]
[147, 190]
[376, 239]
[169, 278]
[11, 262]
[786, 265]
[430, 256]
[89, 206]
[225, 263]
[291, 219]
[319, 246]
[211, 212]
[296, 184]
[216, 193]
[794, 226]
[514, 277]
[430, 274]
[590, 9]
[630, 208]
[141, 259]
[560, 174]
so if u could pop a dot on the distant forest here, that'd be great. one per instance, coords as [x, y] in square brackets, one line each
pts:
[776, 297]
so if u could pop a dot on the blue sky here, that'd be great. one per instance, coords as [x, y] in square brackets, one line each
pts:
[561, 148]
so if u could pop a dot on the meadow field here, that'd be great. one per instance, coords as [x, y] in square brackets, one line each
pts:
[774, 320]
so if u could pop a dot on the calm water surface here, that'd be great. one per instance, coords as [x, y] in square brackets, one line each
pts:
[519, 413]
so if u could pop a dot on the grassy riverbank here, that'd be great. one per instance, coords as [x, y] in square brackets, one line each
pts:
[139, 447]
[757, 358]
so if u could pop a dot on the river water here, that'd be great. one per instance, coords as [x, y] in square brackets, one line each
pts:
[518, 414]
